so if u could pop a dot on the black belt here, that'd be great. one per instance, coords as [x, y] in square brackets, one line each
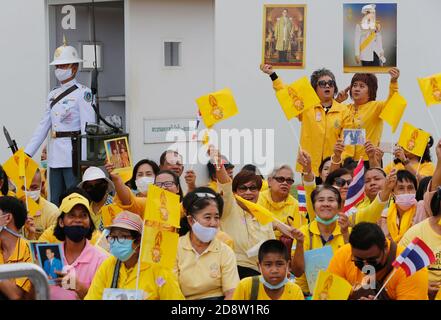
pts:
[65, 134]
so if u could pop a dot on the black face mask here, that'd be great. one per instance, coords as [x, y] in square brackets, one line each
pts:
[97, 193]
[75, 233]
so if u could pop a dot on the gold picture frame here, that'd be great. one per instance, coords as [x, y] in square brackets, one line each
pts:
[118, 153]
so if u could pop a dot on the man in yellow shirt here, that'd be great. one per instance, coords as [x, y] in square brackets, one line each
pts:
[13, 248]
[273, 283]
[120, 270]
[321, 125]
[369, 249]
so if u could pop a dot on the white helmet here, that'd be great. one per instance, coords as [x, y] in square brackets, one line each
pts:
[65, 55]
[95, 173]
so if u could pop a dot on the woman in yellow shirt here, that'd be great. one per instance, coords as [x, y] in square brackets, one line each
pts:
[330, 228]
[201, 253]
[419, 166]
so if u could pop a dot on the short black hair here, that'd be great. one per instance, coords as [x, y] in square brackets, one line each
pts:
[404, 175]
[212, 169]
[131, 183]
[422, 187]
[376, 168]
[330, 179]
[16, 208]
[364, 235]
[318, 179]
[273, 246]
[4, 177]
[435, 203]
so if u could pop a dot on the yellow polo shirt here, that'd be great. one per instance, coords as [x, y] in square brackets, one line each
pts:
[366, 116]
[283, 209]
[312, 241]
[245, 230]
[21, 253]
[158, 283]
[400, 287]
[216, 269]
[426, 168]
[243, 291]
[48, 236]
[424, 231]
[320, 130]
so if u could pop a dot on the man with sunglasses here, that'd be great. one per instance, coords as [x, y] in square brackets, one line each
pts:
[369, 251]
[322, 125]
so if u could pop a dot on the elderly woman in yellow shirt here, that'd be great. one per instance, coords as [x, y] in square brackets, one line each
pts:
[279, 201]
[201, 253]
[330, 228]
[419, 166]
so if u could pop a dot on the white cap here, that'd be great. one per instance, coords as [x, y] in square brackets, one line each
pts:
[65, 55]
[95, 173]
[368, 7]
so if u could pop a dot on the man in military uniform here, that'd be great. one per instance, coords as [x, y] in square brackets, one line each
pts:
[67, 112]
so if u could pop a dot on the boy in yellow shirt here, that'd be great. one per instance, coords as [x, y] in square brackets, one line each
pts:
[273, 283]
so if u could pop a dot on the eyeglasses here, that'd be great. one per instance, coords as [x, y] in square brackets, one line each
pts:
[340, 182]
[119, 239]
[166, 184]
[323, 83]
[283, 179]
[244, 188]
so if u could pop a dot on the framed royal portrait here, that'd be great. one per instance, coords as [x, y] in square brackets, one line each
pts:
[370, 37]
[283, 38]
[118, 153]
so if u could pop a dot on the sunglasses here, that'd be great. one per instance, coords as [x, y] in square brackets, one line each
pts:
[289, 181]
[244, 188]
[323, 83]
[340, 182]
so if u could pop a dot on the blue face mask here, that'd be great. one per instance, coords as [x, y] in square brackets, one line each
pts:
[43, 164]
[273, 287]
[123, 251]
[326, 222]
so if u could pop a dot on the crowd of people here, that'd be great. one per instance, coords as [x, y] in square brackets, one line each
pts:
[224, 251]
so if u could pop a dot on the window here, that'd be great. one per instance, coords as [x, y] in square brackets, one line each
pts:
[172, 54]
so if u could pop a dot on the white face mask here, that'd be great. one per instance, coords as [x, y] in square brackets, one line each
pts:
[205, 234]
[142, 184]
[34, 195]
[63, 74]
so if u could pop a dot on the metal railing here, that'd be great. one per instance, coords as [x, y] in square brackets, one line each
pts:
[27, 270]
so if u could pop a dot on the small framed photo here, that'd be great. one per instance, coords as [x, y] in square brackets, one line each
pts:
[118, 153]
[354, 136]
[50, 259]
[123, 294]
[33, 247]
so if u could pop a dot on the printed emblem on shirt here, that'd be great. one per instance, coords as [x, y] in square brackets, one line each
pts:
[88, 96]
[214, 270]
[337, 124]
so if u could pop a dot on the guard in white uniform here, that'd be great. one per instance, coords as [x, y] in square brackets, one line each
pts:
[67, 112]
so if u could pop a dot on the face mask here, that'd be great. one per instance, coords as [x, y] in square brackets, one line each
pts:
[75, 233]
[326, 222]
[97, 193]
[122, 251]
[205, 234]
[142, 184]
[10, 231]
[34, 195]
[273, 287]
[405, 201]
[63, 74]
[43, 164]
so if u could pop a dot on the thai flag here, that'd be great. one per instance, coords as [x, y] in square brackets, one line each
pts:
[301, 197]
[356, 188]
[416, 256]
[198, 121]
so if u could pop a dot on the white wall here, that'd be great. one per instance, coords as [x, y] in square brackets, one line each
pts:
[238, 56]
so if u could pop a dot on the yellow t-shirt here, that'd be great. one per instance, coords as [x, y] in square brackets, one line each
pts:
[426, 168]
[216, 269]
[21, 253]
[245, 230]
[158, 283]
[400, 287]
[283, 210]
[243, 291]
[424, 231]
[313, 240]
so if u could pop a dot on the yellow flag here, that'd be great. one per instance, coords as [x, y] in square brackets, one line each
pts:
[217, 106]
[159, 246]
[393, 111]
[18, 166]
[109, 212]
[413, 139]
[331, 287]
[125, 173]
[162, 206]
[431, 89]
[263, 215]
[33, 207]
[297, 97]
[205, 138]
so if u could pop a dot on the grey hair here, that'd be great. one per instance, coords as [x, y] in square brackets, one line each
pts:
[278, 168]
[317, 74]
